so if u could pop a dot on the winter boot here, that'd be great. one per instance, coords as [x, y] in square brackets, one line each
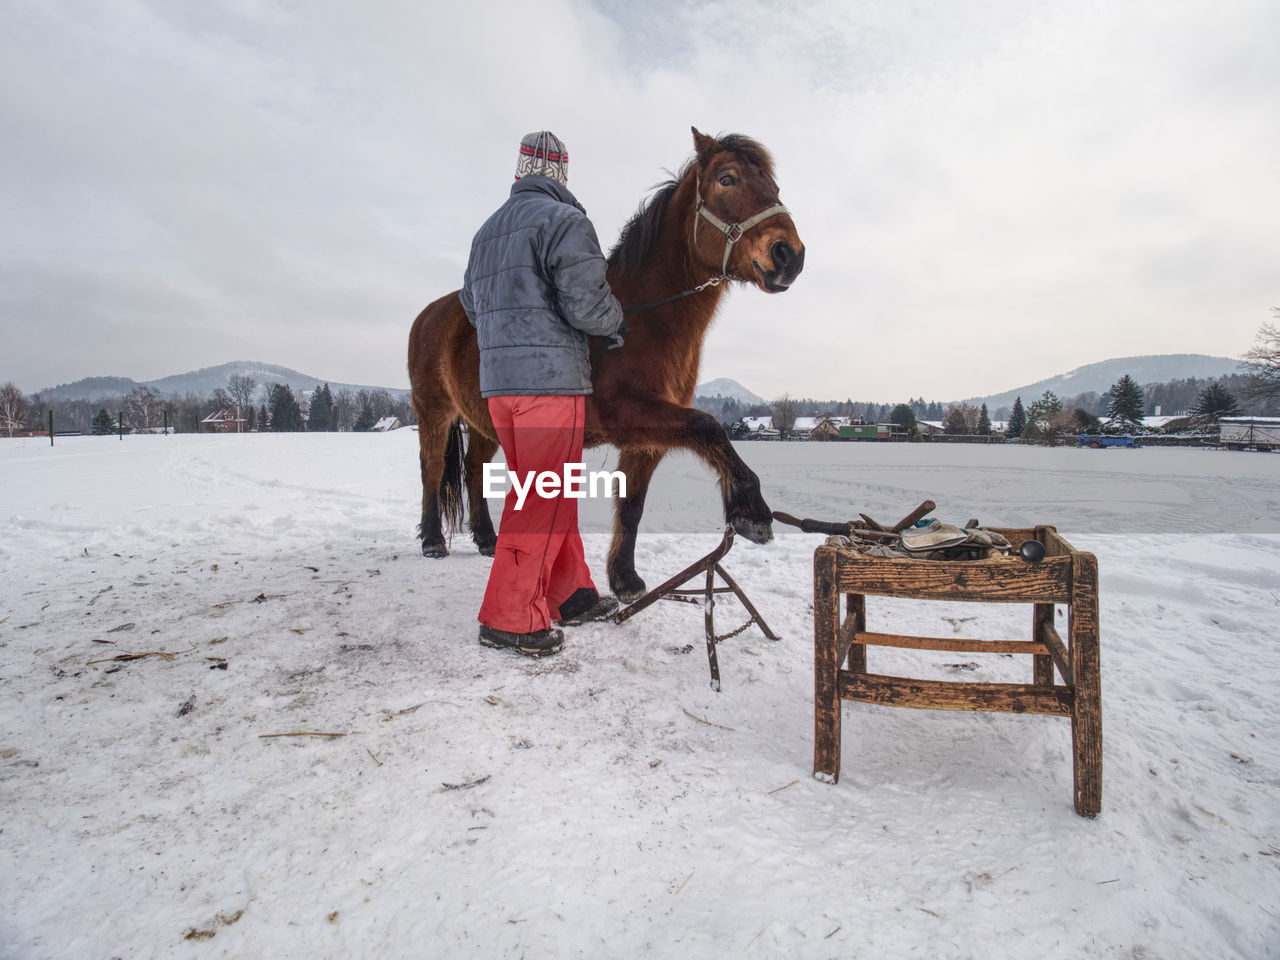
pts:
[584, 606]
[536, 644]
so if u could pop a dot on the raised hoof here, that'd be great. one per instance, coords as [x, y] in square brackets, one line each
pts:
[435, 550]
[753, 530]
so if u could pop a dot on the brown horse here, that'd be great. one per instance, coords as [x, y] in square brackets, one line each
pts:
[719, 219]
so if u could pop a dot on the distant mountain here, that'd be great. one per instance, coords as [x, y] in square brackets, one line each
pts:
[202, 382]
[90, 388]
[727, 389]
[1098, 377]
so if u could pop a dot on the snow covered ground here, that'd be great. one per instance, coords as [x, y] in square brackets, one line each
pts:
[606, 802]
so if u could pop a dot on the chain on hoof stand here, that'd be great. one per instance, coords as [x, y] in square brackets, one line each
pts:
[672, 590]
[672, 275]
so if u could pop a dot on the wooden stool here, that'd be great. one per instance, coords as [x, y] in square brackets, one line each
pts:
[1066, 576]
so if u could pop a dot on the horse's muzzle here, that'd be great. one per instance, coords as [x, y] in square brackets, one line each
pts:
[787, 264]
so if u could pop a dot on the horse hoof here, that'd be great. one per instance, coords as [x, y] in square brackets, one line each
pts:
[753, 530]
[630, 590]
[435, 550]
[486, 547]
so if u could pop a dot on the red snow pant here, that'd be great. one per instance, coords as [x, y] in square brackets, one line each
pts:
[538, 562]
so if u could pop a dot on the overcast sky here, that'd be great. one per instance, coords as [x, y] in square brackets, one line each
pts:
[991, 192]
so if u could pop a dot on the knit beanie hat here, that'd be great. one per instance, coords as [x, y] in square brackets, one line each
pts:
[543, 154]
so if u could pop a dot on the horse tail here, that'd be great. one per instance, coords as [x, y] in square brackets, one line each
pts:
[451, 500]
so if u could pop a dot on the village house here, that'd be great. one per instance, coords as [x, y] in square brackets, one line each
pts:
[224, 421]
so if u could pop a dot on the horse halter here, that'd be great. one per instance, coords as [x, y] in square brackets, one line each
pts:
[732, 231]
[732, 234]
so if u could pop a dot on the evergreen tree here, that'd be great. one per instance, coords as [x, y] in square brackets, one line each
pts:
[103, 424]
[953, 421]
[1017, 421]
[366, 418]
[321, 409]
[1127, 402]
[286, 414]
[1046, 419]
[904, 417]
[984, 421]
[1086, 422]
[1047, 406]
[1214, 403]
[264, 417]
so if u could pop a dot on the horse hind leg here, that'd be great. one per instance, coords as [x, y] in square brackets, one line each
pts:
[440, 461]
[480, 450]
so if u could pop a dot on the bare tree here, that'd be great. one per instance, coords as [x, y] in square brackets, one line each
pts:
[344, 410]
[1262, 362]
[240, 387]
[13, 408]
[143, 408]
[784, 415]
[960, 419]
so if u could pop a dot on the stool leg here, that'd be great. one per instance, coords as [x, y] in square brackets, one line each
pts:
[855, 605]
[1086, 716]
[826, 689]
[1042, 671]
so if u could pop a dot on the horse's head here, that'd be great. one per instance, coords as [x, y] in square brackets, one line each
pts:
[741, 227]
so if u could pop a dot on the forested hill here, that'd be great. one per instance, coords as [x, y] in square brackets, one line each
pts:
[1098, 377]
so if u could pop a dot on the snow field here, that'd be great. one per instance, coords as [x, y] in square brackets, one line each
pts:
[606, 802]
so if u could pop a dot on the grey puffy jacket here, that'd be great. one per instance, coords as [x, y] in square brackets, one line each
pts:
[535, 289]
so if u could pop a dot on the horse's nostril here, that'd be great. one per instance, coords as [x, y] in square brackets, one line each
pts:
[782, 253]
[786, 260]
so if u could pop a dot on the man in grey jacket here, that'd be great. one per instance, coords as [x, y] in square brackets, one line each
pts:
[535, 290]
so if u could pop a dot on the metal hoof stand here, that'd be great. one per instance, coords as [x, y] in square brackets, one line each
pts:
[1065, 576]
[705, 596]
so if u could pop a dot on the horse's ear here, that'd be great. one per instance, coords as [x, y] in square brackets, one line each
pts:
[703, 145]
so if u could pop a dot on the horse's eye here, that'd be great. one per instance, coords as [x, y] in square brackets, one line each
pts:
[728, 180]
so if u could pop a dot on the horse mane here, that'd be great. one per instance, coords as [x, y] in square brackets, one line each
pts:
[640, 233]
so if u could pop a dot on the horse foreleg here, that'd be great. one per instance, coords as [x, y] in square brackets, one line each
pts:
[480, 450]
[670, 425]
[744, 504]
[637, 465]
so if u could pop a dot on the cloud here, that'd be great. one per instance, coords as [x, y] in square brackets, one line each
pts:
[990, 192]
